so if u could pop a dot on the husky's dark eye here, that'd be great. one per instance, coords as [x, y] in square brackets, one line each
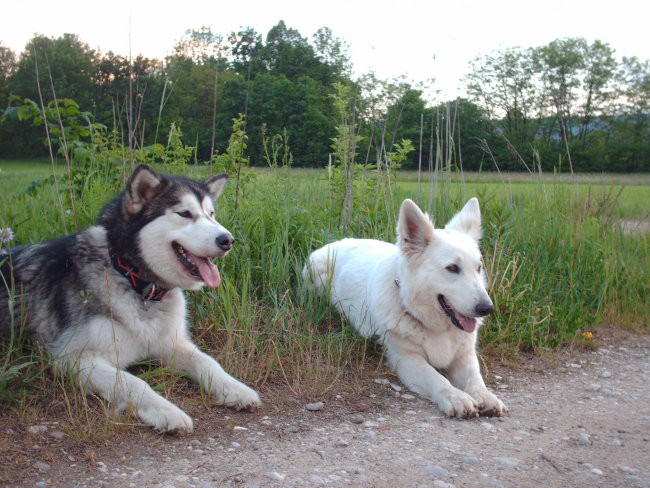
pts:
[185, 214]
[453, 268]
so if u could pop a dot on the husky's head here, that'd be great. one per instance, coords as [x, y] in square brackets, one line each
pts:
[166, 226]
[441, 271]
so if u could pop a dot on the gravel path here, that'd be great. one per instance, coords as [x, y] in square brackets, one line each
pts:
[583, 423]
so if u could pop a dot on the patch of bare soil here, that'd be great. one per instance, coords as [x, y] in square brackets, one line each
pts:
[576, 419]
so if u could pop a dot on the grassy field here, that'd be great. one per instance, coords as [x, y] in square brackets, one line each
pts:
[558, 260]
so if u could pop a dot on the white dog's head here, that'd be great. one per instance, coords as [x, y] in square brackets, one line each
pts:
[442, 280]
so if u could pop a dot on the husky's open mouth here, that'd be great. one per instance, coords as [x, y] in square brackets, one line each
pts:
[198, 267]
[468, 324]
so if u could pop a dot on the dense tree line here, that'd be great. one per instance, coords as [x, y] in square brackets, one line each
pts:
[567, 105]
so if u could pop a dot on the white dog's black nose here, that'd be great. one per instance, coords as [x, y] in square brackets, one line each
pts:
[225, 241]
[483, 309]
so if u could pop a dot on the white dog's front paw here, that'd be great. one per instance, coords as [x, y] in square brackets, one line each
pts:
[488, 404]
[166, 418]
[457, 403]
[236, 395]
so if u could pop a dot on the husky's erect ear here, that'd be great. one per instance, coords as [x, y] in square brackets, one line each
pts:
[215, 184]
[468, 220]
[143, 185]
[414, 228]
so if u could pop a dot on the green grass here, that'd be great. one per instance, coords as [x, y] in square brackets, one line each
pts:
[558, 262]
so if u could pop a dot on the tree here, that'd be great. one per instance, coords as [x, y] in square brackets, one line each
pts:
[630, 150]
[64, 64]
[332, 52]
[7, 68]
[504, 84]
[560, 65]
[287, 53]
[201, 46]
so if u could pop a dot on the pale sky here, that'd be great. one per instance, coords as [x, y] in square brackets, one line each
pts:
[420, 39]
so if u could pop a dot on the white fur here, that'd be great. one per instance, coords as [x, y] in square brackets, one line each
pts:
[391, 291]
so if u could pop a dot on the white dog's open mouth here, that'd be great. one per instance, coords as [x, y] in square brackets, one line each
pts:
[199, 267]
[468, 324]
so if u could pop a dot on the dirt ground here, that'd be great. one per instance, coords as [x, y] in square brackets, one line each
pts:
[576, 419]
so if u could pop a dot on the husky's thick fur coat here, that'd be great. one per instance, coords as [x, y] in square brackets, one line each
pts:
[110, 295]
[423, 299]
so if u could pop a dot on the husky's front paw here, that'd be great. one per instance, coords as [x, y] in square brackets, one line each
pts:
[166, 419]
[457, 403]
[236, 395]
[488, 404]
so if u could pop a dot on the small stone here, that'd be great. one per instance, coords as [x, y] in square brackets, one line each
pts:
[507, 461]
[357, 419]
[36, 429]
[469, 459]
[408, 397]
[597, 472]
[503, 387]
[41, 466]
[274, 475]
[382, 381]
[195, 442]
[436, 471]
[488, 426]
[315, 479]
[442, 484]
[341, 443]
[370, 423]
[396, 387]
[314, 407]
[57, 434]
[583, 439]
[606, 374]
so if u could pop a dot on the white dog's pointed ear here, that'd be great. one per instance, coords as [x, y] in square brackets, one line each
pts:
[143, 185]
[468, 220]
[414, 228]
[216, 184]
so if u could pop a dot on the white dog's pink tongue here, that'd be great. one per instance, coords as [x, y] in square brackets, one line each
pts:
[207, 269]
[467, 323]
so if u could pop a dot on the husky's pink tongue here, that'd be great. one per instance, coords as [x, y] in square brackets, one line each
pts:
[207, 269]
[468, 323]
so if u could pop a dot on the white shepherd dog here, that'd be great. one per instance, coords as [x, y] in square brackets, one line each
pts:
[422, 298]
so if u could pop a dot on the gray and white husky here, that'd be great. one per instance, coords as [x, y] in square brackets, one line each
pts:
[423, 298]
[110, 295]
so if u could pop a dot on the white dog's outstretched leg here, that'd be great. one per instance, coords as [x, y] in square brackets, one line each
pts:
[413, 369]
[122, 389]
[206, 371]
[465, 374]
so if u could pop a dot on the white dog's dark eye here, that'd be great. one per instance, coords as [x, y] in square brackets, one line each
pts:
[453, 268]
[186, 214]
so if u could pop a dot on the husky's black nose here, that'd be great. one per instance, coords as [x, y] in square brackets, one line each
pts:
[483, 309]
[225, 241]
